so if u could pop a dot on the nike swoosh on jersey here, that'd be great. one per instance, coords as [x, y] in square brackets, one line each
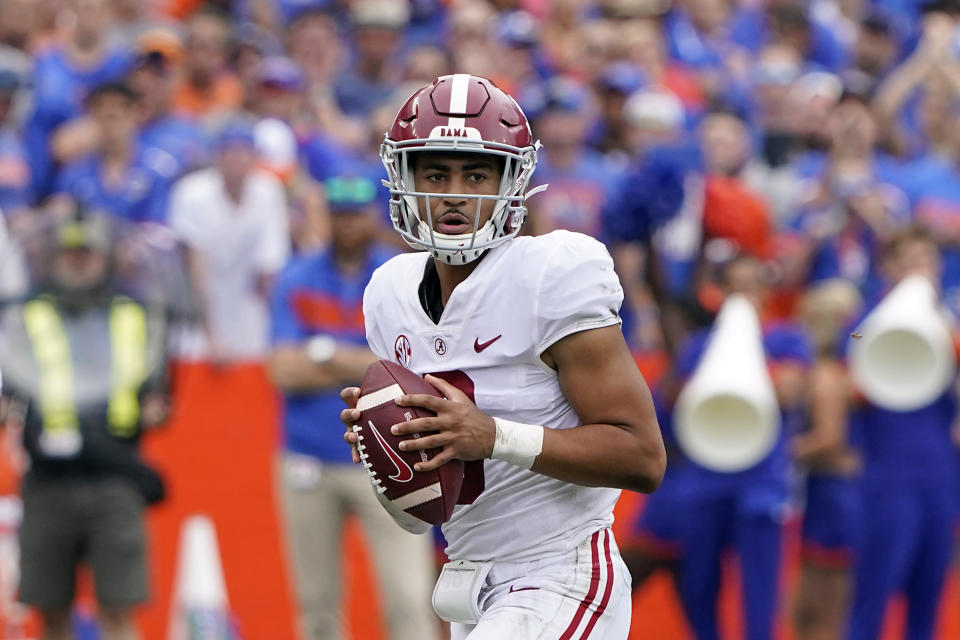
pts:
[480, 346]
[404, 472]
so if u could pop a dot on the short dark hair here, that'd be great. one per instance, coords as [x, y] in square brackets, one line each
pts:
[908, 235]
[121, 89]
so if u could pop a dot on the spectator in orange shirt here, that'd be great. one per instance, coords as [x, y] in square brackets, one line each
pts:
[207, 88]
[730, 209]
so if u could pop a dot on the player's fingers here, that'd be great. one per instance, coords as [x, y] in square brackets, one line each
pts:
[435, 461]
[350, 396]
[432, 403]
[435, 441]
[449, 391]
[416, 425]
[351, 438]
[349, 417]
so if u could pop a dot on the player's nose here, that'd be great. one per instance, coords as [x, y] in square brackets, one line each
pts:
[455, 197]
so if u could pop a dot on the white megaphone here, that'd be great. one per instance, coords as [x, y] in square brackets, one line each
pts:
[727, 417]
[904, 358]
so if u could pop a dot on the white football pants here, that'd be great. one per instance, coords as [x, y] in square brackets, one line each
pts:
[583, 594]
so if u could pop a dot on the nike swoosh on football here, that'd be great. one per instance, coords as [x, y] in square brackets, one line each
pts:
[512, 590]
[404, 472]
[480, 346]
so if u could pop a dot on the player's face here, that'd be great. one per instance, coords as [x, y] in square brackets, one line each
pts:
[455, 177]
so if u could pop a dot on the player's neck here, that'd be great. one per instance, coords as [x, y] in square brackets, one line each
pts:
[451, 275]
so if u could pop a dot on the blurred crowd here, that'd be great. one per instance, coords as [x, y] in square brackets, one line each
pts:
[802, 132]
[806, 134]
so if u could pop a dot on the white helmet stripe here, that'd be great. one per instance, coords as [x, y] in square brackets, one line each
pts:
[458, 99]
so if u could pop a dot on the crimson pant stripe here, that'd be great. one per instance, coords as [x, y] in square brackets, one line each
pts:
[591, 592]
[607, 589]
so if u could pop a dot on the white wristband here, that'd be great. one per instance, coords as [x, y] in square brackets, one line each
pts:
[517, 443]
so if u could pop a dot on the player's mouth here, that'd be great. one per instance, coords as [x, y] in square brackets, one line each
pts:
[454, 223]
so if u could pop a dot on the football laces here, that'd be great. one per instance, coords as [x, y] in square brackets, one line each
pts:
[362, 450]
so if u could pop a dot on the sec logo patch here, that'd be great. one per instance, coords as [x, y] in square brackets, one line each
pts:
[402, 351]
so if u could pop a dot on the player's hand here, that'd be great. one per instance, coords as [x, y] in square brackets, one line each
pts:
[349, 417]
[465, 432]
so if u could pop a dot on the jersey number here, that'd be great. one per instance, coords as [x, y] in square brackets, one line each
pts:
[472, 469]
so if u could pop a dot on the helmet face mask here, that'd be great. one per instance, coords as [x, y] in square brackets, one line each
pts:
[481, 119]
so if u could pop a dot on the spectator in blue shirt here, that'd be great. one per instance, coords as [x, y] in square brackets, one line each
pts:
[852, 209]
[319, 346]
[580, 179]
[373, 75]
[120, 179]
[163, 131]
[62, 76]
[15, 192]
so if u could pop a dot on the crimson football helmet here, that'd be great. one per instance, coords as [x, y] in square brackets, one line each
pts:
[469, 114]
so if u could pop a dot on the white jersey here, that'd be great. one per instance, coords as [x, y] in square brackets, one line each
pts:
[522, 297]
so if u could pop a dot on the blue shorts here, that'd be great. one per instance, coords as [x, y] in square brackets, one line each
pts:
[830, 520]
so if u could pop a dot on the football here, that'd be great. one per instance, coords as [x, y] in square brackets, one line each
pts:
[427, 495]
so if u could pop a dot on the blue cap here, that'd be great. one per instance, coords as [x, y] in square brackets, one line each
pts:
[349, 193]
[556, 94]
[622, 77]
[235, 133]
[281, 72]
[565, 94]
[248, 34]
[518, 29]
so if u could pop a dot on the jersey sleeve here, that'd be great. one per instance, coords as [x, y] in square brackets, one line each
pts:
[578, 289]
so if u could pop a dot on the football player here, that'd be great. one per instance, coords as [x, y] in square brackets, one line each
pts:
[541, 396]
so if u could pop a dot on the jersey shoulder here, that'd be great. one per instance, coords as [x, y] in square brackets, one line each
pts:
[395, 275]
[541, 248]
[565, 260]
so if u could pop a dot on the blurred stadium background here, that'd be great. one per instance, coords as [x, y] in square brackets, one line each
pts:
[805, 133]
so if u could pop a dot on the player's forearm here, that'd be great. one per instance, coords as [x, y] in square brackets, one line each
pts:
[292, 369]
[603, 455]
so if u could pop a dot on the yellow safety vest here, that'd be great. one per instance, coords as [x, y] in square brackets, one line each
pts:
[51, 349]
